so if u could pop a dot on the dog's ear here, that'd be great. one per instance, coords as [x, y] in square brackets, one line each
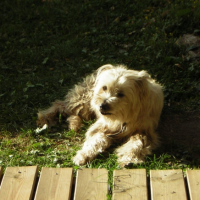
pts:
[141, 83]
[143, 75]
[103, 68]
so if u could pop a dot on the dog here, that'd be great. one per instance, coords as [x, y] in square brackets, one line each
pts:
[127, 105]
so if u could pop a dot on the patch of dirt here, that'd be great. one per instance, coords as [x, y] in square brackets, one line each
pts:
[192, 44]
[182, 129]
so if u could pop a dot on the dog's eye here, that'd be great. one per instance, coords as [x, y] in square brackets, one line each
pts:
[120, 94]
[104, 88]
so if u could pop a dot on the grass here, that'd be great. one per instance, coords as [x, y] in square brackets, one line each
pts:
[48, 46]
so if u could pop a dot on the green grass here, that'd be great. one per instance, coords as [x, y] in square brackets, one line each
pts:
[48, 46]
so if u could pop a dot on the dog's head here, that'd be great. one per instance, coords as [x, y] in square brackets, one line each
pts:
[119, 92]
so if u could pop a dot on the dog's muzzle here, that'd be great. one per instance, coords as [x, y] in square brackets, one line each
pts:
[104, 109]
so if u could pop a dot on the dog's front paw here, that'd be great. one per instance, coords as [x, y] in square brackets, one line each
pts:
[124, 160]
[80, 158]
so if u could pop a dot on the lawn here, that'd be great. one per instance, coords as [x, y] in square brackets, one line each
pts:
[48, 46]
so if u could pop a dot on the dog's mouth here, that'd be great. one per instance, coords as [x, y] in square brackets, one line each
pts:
[104, 109]
[105, 113]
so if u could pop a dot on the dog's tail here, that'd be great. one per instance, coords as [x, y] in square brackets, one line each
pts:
[51, 115]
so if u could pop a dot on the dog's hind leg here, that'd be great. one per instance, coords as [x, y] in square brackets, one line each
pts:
[51, 115]
[134, 150]
[75, 122]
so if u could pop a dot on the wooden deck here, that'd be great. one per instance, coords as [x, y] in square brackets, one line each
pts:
[23, 183]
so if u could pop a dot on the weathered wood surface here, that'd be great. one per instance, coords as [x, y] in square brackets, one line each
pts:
[91, 184]
[18, 183]
[167, 185]
[193, 178]
[130, 184]
[54, 183]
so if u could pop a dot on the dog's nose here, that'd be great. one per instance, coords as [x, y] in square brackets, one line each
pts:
[104, 107]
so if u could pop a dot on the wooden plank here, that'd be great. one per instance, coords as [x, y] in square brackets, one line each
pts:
[130, 184]
[167, 185]
[55, 183]
[18, 183]
[193, 179]
[91, 184]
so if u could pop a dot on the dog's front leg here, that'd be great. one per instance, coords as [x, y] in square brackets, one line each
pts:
[134, 150]
[93, 145]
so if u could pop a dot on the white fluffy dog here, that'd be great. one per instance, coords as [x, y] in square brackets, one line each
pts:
[126, 104]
